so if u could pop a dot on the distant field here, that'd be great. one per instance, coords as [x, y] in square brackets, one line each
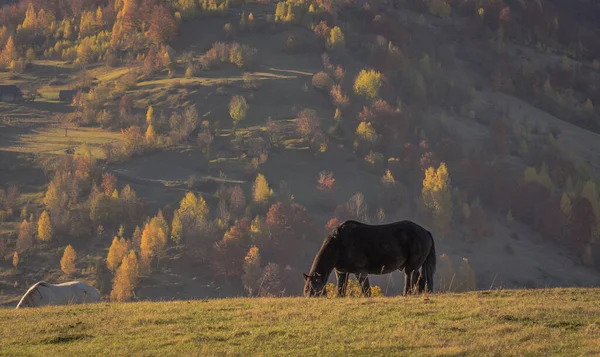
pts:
[52, 140]
[555, 322]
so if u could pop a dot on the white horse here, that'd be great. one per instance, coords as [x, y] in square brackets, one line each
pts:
[72, 292]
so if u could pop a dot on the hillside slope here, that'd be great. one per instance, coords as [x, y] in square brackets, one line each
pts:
[458, 89]
[555, 322]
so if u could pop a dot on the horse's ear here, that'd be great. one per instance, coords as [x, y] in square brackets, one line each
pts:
[305, 276]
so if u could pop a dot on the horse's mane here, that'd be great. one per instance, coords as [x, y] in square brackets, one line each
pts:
[331, 237]
[341, 227]
[26, 300]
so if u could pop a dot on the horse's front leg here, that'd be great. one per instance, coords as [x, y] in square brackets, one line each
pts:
[342, 282]
[412, 279]
[363, 280]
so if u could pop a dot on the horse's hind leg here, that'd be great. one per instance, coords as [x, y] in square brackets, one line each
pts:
[363, 280]
[342, 283]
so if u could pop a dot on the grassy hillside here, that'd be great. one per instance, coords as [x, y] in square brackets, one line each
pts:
[555, 322]
[504, 95]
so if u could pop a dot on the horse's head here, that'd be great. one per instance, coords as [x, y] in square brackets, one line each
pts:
[314, 285]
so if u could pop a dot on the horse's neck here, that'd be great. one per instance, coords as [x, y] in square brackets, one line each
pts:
[325, 259]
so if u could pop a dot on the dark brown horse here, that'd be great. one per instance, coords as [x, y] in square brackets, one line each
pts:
[362, 249]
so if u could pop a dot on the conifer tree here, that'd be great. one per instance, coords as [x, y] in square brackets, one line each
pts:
[45, 227]
[260, 190]
[150, 115]
[15, 260]
[67, 262]
[116, 252]
[125, 279]
[25, 237]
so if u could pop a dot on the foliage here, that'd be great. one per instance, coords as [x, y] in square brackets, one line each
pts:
[238, 107]
[154, 240]
[336, 39]
[437, 196]
[67, 262]
[260, 190]
[322, 81]
[25, 236]
[117, 251]
[367, 84]
[15, 259]
[126, 278]
[45, 232]
[252, 271]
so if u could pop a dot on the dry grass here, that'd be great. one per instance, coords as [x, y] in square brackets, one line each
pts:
[557, 322]
[52, 140]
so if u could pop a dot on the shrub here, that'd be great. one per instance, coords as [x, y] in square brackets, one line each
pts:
[243, 56]
[322, 81]
[338, 98]
[251, 81]
[238, 107]
[439, 8]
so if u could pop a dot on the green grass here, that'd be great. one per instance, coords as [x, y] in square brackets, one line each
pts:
[556, 322]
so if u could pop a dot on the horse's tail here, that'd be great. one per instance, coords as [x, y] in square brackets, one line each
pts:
[429, 265]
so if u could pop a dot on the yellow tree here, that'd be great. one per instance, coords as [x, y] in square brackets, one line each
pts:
[125, 279]
[45, 227]
[25, 237]
[437, 196]
[260, 190]
[192, 206]
[150, 115]
[67, 262]
[367, 84]
[99, 17]
[252, 270]
[176, 228]
[116, 252]
[336, 39]
[154, 240]
[238, 107]
[150, 136]
[192, 212]
[15, 261]
[30, 18]
[9, 53]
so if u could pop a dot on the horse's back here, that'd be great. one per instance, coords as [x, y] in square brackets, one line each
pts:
[79, 292]
[71, 292]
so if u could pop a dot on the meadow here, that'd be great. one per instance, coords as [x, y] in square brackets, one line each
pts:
[544, 322]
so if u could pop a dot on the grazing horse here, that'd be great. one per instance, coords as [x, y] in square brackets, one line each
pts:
[362, 249]
[72, 292]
